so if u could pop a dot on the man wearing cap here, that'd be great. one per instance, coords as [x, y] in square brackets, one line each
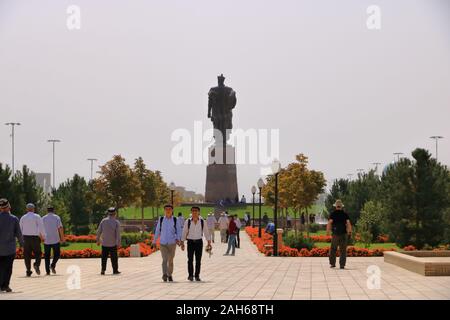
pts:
[108, 236]
[9, 232]
[55, 235]
[223, 227]
[169, 231]
[341, 228]
[211, 222]
[194, 230]
[33, 233]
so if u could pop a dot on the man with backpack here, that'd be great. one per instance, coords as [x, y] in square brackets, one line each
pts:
[194, 230]
[169, 231]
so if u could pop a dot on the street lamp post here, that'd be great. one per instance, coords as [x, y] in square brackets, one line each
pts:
[260, 186]
[53, 141]
[276, 166]
[398, 154]
[253, 205]
[92, 167]
[172, 190]
[436, 138]
[13, 125]
[376, 164]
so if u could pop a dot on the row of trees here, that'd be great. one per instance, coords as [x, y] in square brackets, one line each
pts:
[298, 188]
[410, 201]
[82, 204]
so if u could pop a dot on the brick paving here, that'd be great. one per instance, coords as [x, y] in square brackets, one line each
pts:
[248, 275]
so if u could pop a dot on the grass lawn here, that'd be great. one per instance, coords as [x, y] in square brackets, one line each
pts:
[81, 246]
[135, 213]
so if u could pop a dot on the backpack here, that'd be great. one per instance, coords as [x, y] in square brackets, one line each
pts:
[189, 225]
[174, 224]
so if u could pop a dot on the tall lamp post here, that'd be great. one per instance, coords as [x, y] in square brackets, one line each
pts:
[92, 167]
[13, 125]
[53, 141]
[276, 166]
[436, 138]
[260, 186]
[253, 205]
[172, 190]
[398, 154]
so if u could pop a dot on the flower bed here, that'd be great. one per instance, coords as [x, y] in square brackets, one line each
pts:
[84, 239]
[264, 245]
[144, 248]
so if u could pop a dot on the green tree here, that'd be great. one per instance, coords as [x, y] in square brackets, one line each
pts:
[416, 196]
[147, 187]
[368, 225]
[71, 200]
[117, 184]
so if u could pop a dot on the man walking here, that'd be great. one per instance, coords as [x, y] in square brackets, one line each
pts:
[33, 233]
[238, 223]
[232, 232]
[211, 222]
[169, 231]
[9, 232]
[55, 235]
[181, 220]
[223, 226]
[194, 230]
[108, 236]
[339, 224]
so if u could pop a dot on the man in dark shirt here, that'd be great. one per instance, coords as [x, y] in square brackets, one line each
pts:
[9, 232]
[339, 224]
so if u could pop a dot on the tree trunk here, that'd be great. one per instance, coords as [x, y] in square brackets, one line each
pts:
[307, 222]
[295, 222]
[142, 217]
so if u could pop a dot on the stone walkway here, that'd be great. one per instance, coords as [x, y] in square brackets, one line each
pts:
[248, 275]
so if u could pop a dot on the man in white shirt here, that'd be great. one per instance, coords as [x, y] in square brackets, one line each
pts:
[55, 235]
[223, 227]
[238, 226]
[194, 230]
[33, 233]
[211, 222]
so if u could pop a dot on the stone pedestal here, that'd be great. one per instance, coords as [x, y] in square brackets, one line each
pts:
[221, 175]
[134, 251]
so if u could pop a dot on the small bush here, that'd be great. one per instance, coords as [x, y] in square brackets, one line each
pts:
[298, 242]
[133, 238]
[314, 227]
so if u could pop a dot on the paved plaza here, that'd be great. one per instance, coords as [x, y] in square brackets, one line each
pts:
[248, 275]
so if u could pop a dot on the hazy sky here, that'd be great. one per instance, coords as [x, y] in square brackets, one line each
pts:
[344, 95]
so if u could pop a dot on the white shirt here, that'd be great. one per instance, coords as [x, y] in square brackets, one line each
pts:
[52, 223]
[195, 231]
[31, 225]
[211, 221]
[238, 223]
[223, 222]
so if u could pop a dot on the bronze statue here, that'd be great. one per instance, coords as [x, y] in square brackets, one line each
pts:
[221, 102]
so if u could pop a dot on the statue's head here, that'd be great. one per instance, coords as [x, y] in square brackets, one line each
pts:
[221, 80]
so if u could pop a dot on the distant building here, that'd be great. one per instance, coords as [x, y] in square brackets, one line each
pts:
[44, 180]
[189, 196]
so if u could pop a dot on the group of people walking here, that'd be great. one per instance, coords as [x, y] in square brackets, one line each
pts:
[32, 230]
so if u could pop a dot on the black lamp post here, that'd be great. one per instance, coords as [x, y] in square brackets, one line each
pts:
[276, 166]
[260, 186]
[172, 190]
[253, 204]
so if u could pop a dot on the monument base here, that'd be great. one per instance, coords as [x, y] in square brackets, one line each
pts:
[221, 183]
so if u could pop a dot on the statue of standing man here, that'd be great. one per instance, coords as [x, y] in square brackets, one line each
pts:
[221, 102]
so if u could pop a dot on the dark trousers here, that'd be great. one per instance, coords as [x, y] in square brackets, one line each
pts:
[6, 267]
[32, 244]
[56, 254]
[194, 247]
[110, 251]
[341, 242]
[238, 239]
